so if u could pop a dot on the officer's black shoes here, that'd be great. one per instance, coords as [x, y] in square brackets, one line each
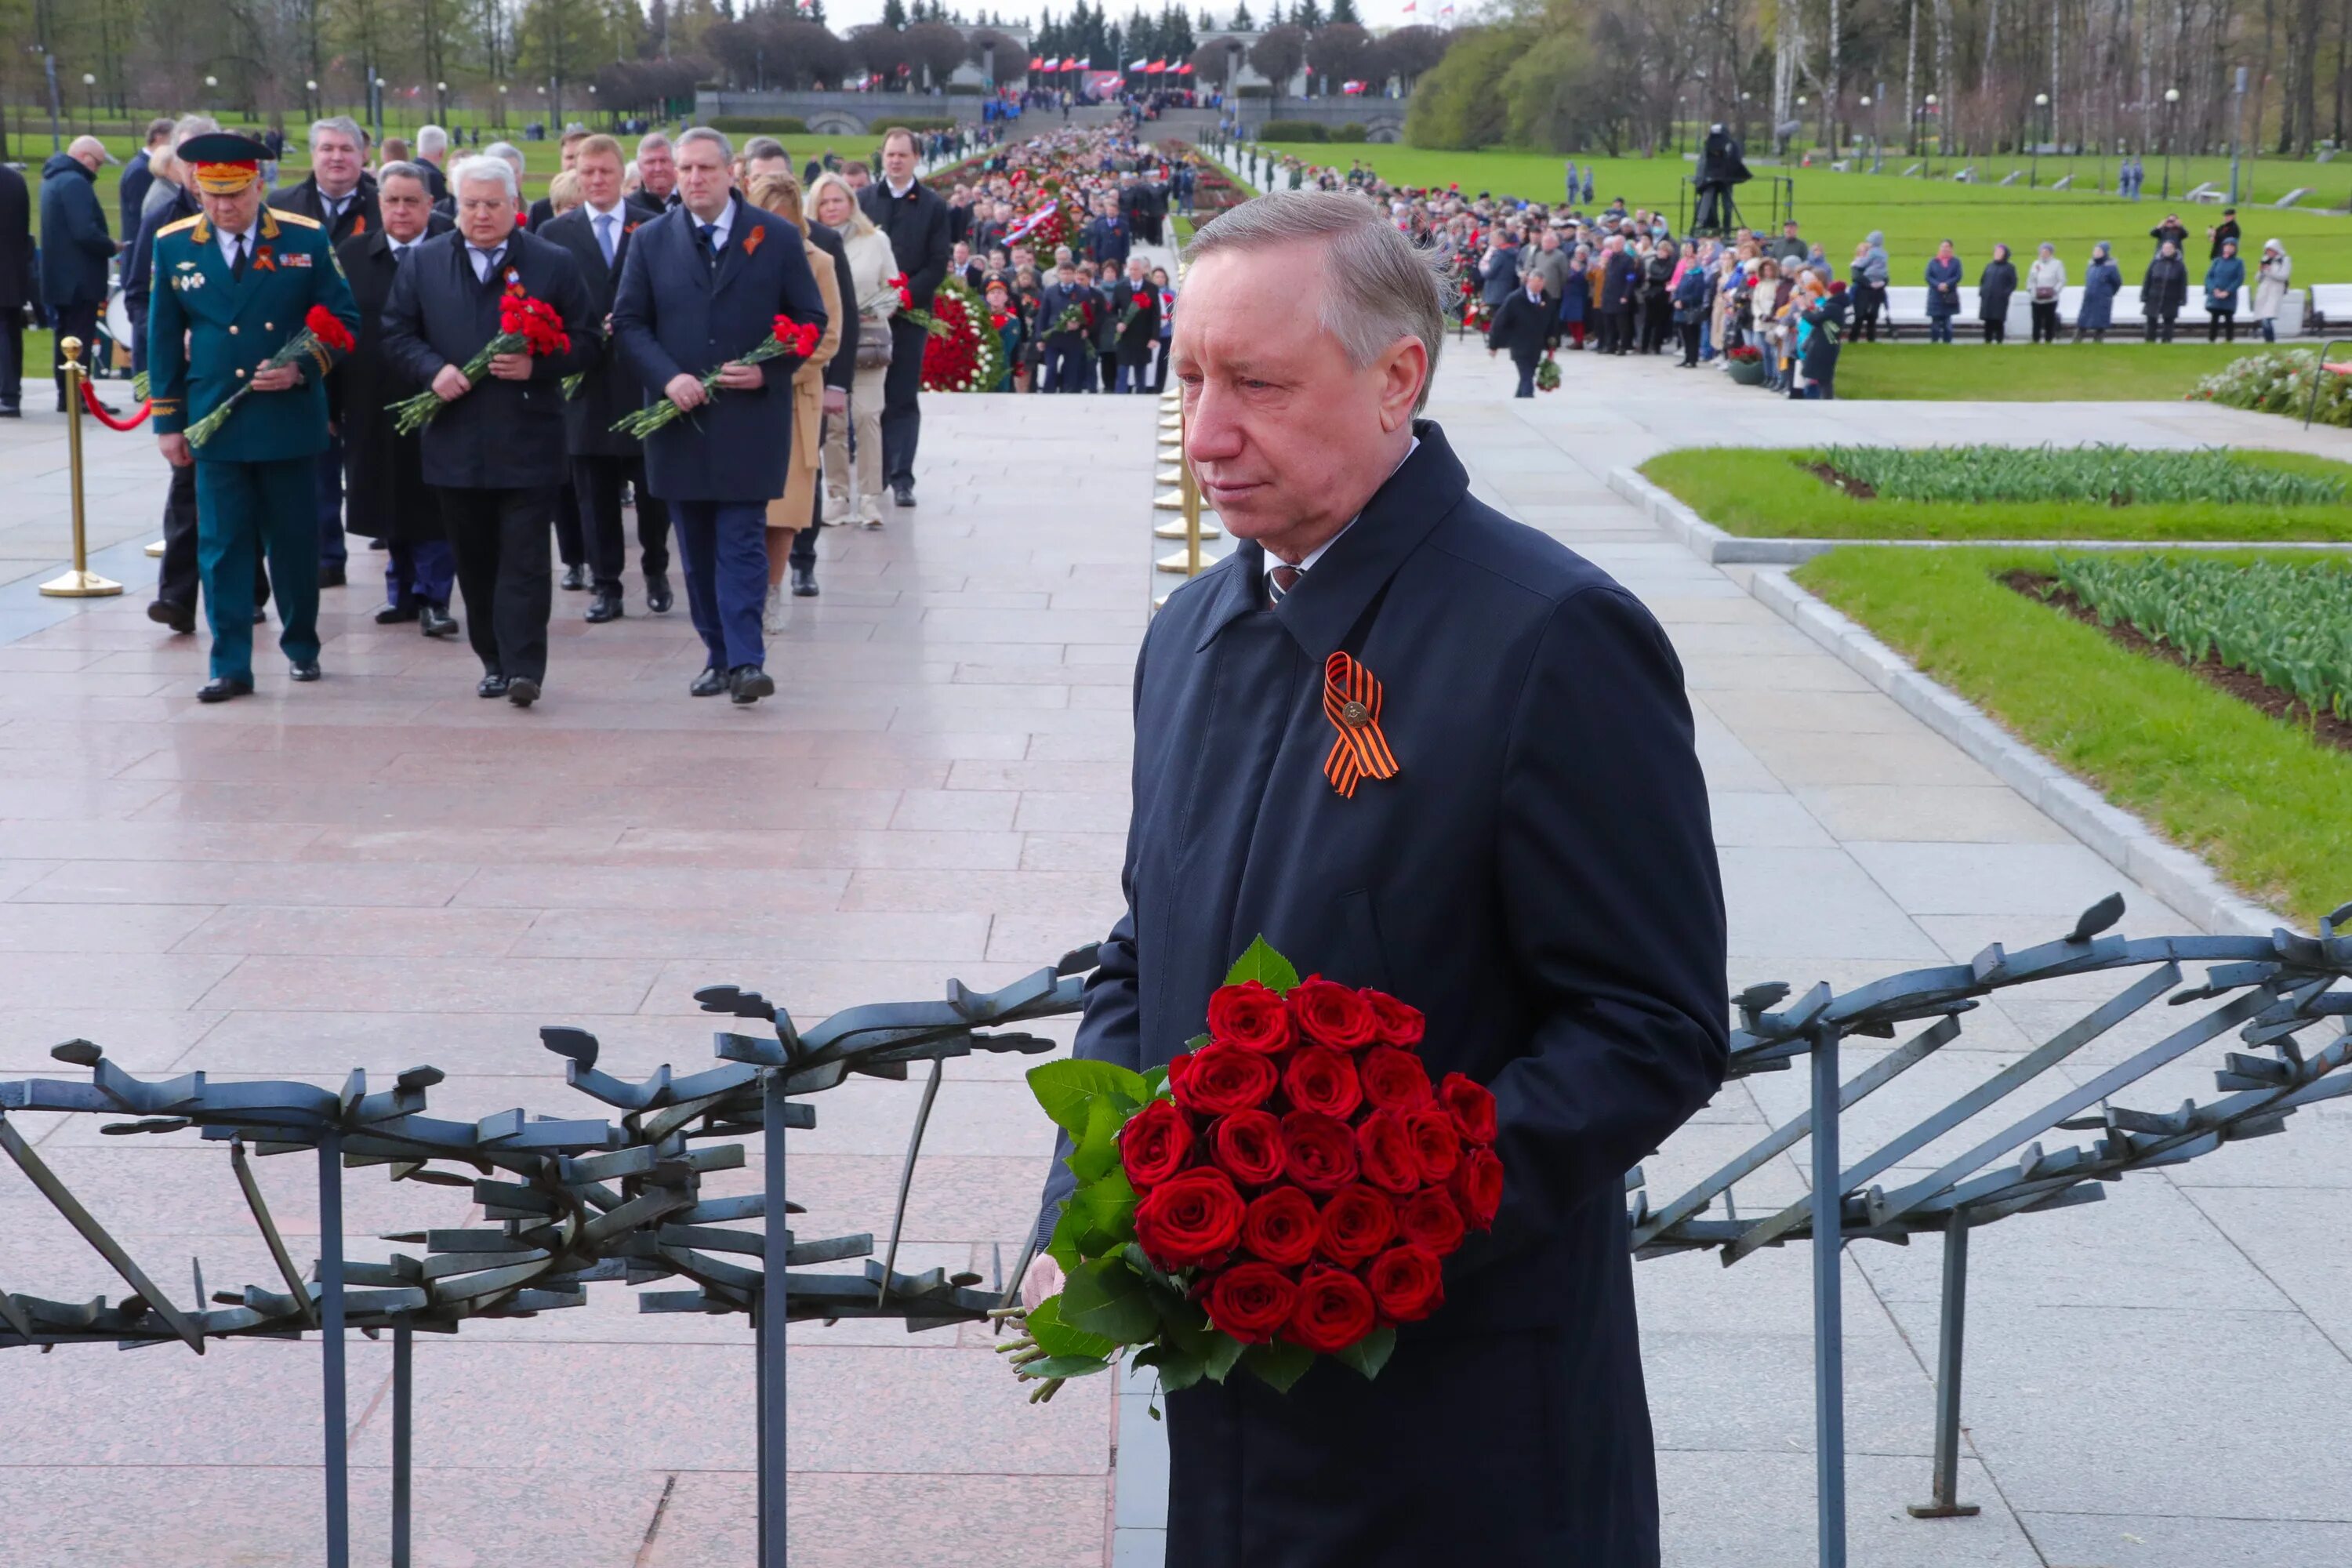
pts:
[750, 683]
[305, 671]
[223, 688]
[491, 686]
[804, 582]
[178, 617]
[657, 595]
[604, 607]
[710, 683]
[903, 493]
[575, 578]
[330, 577]
[522, 691]
[436, 623]
[394, 614]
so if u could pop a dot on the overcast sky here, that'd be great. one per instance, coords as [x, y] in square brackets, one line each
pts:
[844, 15]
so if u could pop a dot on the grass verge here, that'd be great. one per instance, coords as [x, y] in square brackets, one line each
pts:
[2026, 373]
[2257, 796]
[1769, 492]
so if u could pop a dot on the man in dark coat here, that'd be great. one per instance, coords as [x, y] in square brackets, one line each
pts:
[1136, 304]
[385, 470]
[1068, 351]
[16, 292]
[702, 286]
[1525, 858]
[1620, 276]
[596, 233]
[1108, 237]
[915, 216]
[495, 453]
[2163, 290]
[137, 176]
[74, 248]
[1524, 325]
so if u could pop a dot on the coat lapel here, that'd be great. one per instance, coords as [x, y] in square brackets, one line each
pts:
[1326, 606]
[734, 257]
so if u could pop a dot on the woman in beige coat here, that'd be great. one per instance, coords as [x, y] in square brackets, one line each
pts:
[789, 513]
[872, 265]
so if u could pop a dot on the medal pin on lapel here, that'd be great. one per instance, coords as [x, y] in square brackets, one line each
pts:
[1351, 700]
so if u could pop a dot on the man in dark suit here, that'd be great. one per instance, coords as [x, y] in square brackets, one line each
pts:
[495, 453]
[1524, 325]
[432, 152]
[702, 287]
[1108, 238]
[1136, 303]
[542, 211]
[915, 216]
[1621, 274]
[1069, 352]
[596, 233]
[385, 469]
[74, 248]
[1522, 851]
[137, 176]
[16, 293]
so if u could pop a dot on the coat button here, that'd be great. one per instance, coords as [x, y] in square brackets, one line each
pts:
[240, 375]
[232, 332]
[269, 326]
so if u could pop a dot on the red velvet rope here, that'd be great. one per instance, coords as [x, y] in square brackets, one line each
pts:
[98, 410]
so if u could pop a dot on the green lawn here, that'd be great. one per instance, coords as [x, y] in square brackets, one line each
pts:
[1840, 209]
[1770, 493]
[2258, 798]
[2128, 371]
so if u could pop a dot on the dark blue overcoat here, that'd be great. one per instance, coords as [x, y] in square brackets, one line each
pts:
[1540, 879]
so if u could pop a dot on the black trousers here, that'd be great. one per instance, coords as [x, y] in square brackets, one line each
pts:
[1616, 331]
[1865, 314]
[1996, 331]
[1527, 376]
[500, 540]
[2224, 324]
[74, 321]
[175, 577]
[2158, 329]
[2045, 320]
[12, 360]
[596, 483]
[902, 415]
[1689, 331]
[571, 548]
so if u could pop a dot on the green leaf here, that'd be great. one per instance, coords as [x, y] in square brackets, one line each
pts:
[1109, 1203]
[1155, 1079]
[1370, 1353]
[1178, 1369]
[1266, 966]
[1280, 1365]
[1056, 1338]
[1223, 1353]
[1095, 1151]
[1062, 1366]
[1062, 1246]
[1067, 1088]
[1103, 1297]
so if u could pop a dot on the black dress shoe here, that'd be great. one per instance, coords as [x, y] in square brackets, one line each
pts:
[330, 577]
[904, 494]
[604, 607]
[750, 683]
[165, 613]
[11, 414]
[491, 686]
[259, 615]
[436, 623]
[393, 615]
[658, 594]
[710, 683]
[223, 688]
[575, 578]
[379, 545]
[306, 670]
[522, 691]
[804, 582]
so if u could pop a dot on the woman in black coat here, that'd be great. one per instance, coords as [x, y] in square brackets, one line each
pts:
[1657, 308]
[2162, 292]
[1994, 287]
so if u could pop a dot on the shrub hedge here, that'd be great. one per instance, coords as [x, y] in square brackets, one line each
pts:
[1293, 130]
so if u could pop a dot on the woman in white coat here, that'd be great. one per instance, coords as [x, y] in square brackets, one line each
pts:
[872, 267]
[2271, 279]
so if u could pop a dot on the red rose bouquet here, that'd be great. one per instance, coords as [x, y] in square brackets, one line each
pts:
[525, 326]
[785, 336]
[1288, 1187]
[323, 332]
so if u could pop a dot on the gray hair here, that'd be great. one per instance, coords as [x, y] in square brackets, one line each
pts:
[342, 125]
[431, 138]
[483, 166]
[705, 133]
[1380, 288]
[651, 141]
[398, 170]
[189, 125]
[506, 153]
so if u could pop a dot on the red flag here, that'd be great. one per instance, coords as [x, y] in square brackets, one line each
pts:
[1036, 63]
[1155, 67]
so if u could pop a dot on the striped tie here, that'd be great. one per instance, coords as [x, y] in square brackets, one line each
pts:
[1279, 581]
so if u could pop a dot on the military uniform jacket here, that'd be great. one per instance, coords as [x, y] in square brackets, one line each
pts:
[208, 330]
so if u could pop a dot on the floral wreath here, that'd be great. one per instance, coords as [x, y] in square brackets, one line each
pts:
[968, 356]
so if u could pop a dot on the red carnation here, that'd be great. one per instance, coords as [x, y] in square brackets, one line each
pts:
[1153, 1144]
[1319, 1152]
[1477, 1186]
[1193, 1218]
[1384, 1150]
[329, 329]
[1436, 1145]
[1251, 1301]
[1357, 1223]
[1472, 1105]
[1429, 1218]
[1407, 1282]
[1331, 1014]
[1222, 1079]
[1394, 1079]
[1282, 1226]
[1247, 1146]
[1334, 1310]
[1322, 1080]
[1251, 1016]
[1394, 1023]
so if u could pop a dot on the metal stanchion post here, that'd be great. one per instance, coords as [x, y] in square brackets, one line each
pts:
[1191, 561]
[80, 583]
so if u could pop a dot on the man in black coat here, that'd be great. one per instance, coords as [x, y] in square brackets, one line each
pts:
[1620, 276]
[702, 286]
[137, 176]
[495, 453]
[1524, 325]
[74, 248]
[16, 292]
[2162, 291]
[385, 469]
[1136, 303]
[1523, 853]
[1069, 352]
[596, 233]
[915, 216]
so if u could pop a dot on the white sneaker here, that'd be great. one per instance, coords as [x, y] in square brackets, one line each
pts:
[871, 520]
[771, 619]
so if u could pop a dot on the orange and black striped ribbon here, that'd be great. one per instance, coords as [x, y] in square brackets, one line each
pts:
[1351, 700]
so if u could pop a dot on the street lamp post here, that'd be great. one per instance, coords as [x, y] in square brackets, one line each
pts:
[2172, 104]
[1930, 114]
[2033, 179]
[1869, 104]
[2236, 128]
[89, 101]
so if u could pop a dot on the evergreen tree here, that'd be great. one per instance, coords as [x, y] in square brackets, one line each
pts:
[893, 14]
[1307, 16]
[1344, 11]
[1242, 20]
[1207, 22]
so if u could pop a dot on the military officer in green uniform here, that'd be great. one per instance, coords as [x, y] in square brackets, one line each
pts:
[232, 285]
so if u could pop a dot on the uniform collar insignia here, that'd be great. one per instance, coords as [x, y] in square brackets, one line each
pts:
[269, 225]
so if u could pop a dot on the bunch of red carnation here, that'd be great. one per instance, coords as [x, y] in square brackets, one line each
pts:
[535, 321]
[1307, 1171]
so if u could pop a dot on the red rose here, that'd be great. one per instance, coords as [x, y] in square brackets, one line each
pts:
[1477, 1187]
[1153, 1144]
[1331, 1014]
[1429, 1218]
[1394, 1079]
[1222, 1079]
[1384, 1150]
[1251, 1016]
[1408, 1283]
[1394, 1023]
[1334, 1310]
[1247, 1146]
[1357, 1223]
[1473, 1107]
[1251, 1301]
[1322, 1080]
[1319, 1152]
[1282, 1226]
[1435, 1142]
[1194, 1217]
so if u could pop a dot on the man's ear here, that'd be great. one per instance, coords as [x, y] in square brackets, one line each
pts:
[1403, 371]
